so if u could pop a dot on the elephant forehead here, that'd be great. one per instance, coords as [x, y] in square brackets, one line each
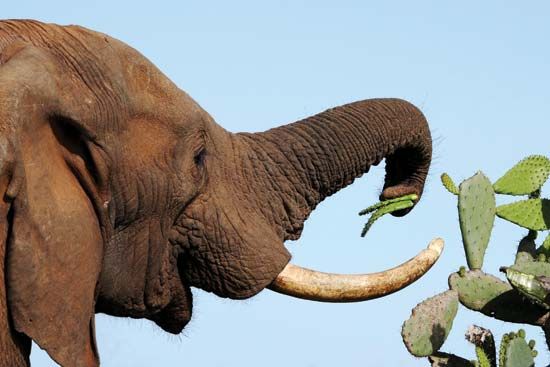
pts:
[151, 92]
[145, 140]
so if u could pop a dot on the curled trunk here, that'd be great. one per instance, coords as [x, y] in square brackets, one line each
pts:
[308, 160]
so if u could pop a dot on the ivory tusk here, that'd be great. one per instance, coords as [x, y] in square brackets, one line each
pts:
[313, 285]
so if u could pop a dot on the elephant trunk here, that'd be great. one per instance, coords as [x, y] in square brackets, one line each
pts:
[313, 158]
[290, 169]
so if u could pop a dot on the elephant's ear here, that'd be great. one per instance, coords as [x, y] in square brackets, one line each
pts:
[54, 252]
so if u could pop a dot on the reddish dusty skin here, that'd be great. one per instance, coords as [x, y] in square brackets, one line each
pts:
[325, 287]
[120, 192]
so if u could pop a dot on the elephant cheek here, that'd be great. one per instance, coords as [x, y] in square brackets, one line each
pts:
[141, 279]
[235, 254]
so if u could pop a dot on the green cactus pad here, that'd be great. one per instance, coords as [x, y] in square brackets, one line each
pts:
[535, 288]
[527, 248]
[495, 298]
[525, 177]
[482, 358]
[430, 323]
[532, 214]
[545, 248]
[476, 289]
[449, 360]
[449, 184]
[515, 352]
[537, 268]
[476, 209]
[485, 345]
[387, 207]
[384, 203]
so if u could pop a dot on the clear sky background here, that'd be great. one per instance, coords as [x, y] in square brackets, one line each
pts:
[478, 70]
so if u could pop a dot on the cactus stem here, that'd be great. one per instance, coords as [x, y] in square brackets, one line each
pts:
[485, 344]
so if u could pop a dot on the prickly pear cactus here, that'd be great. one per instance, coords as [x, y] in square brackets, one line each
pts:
[482, 358]
[476, 210]
[476, 289]
[449, 184]
[545, 248]
[515, 351]
[430, 323]
[525, 177]
[532, 214]
[536, 288]
[449, 360]
[523, 297]
[484, 345]
[527, 248]
[538, 268]
[493, 297]
[386, 207]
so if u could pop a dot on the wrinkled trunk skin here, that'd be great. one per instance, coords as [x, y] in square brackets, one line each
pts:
[302, 163]
[228, 246]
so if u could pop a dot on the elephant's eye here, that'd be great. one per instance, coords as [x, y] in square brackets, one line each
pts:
[199, 157]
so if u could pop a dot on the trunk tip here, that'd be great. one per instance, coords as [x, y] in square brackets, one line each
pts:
[394, 192]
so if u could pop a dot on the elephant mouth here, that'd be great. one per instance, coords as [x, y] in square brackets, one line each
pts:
[313, 285]
[177, 313]
[196, 267]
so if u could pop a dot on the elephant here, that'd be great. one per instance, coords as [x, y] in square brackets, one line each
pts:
[120, 193]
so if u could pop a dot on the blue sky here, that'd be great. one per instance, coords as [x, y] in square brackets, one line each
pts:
[478, 70]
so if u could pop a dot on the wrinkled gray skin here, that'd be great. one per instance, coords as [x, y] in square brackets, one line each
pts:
[120, 192]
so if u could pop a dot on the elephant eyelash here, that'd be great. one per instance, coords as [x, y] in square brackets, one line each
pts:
[200, 157]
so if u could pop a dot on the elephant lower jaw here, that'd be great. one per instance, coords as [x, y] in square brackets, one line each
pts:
[176, 315]
[313, 285]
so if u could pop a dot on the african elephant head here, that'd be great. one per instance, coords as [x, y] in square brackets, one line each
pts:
[121, 192]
